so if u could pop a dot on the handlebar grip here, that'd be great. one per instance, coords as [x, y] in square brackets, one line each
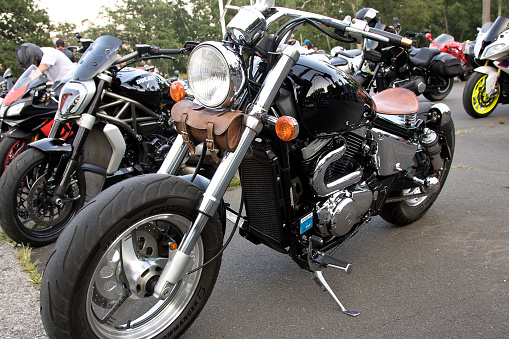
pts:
[125, 58]
[336, 24]
[394, 39]
[155, 50]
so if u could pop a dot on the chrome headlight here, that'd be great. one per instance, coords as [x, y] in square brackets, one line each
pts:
[215, 74]
[75, 97]
[248, 23]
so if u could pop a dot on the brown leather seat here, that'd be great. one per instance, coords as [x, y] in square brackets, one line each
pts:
[396, 101]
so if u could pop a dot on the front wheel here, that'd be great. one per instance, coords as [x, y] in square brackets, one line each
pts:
[28, 216]
[440, 92]
[476, 101]
[99, 280]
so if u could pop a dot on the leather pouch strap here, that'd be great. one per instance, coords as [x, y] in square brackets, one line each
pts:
[210, 141]
[185, 134]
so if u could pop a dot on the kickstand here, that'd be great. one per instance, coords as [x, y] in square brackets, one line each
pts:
[321, 281]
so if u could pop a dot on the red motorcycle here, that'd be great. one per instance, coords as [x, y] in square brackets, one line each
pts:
[446, 44]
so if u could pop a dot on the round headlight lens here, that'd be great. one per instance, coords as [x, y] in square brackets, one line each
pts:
[215, 74]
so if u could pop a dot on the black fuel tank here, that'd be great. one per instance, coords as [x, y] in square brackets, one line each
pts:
[330, 101]
[148, 88]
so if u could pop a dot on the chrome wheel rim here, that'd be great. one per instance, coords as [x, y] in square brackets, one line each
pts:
[414, 201]
[117, 302]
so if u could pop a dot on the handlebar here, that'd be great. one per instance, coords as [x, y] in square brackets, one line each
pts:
[394, 39]
[143, 50]
[352, 28]
[359, 28]
[155, 50]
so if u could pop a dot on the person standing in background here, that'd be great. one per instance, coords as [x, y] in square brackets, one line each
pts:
[60, 45]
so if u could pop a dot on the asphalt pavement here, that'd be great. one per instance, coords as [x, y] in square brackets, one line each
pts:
[445, 276]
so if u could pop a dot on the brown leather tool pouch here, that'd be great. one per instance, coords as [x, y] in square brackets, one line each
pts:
[218, 129]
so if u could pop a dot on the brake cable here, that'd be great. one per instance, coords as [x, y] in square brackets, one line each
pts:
[229, 238]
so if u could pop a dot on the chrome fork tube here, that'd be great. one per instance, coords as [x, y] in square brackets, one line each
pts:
[174, 158]
[174, 271]
[182, 260]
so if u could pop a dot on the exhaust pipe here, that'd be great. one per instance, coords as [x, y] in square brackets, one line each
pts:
[416, 84]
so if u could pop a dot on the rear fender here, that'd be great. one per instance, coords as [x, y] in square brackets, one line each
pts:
[446, 125]
[491, 81]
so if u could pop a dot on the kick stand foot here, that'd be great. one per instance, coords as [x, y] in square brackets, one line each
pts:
[321, 281]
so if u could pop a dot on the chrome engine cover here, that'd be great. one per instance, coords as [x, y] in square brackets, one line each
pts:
[343, 209]
[318, 182]
[393, 153]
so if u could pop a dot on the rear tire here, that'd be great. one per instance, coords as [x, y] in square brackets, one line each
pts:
[405, 212]
[92, 253]
[440, 93]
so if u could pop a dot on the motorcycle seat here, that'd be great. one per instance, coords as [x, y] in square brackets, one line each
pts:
[422, 57]
[396, 101]
[338, 61]
[352, 53]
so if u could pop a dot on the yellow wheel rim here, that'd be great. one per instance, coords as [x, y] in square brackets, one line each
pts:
[480, 101]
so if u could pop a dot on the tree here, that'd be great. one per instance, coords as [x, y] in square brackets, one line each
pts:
[486, 6]
[66, 31]
[164, 23]
[21, 21]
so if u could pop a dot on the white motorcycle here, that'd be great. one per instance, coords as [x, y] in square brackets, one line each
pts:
[489, 84]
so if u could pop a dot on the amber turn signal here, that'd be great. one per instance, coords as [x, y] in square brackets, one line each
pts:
[287, 128]
[177, 91]
[173, 246]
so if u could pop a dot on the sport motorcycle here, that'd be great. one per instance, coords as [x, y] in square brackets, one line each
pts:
[489, 84]
[317, 155]
[26, 114]
[461, 51]
[120, 126]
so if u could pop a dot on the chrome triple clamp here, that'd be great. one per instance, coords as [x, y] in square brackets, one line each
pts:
[317, 261]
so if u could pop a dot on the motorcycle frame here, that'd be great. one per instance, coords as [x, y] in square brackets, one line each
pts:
[126, 120]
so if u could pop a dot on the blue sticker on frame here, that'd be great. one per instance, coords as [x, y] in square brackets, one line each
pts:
[306, 223]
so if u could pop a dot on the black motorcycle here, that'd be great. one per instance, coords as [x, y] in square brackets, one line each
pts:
[317, 155]
[425, 71]
[120, 126]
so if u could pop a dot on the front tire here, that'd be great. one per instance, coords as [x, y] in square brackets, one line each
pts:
[115, 248]
[10, 148]
[475, 100]
[440, 92]
[27, 217]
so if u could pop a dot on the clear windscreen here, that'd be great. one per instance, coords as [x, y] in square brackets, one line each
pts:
[101, 54]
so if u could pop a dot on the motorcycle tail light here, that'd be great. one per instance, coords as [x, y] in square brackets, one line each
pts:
[287, 128]
[177, 91]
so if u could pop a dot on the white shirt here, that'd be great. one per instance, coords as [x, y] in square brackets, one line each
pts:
[60, 65]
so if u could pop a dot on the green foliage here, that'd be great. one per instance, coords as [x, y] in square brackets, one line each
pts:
[66, 31]
[167, 24]
[21, 21]
[170, 23]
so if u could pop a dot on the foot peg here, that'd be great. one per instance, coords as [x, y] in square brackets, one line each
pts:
[320, 280]
[330, 261]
